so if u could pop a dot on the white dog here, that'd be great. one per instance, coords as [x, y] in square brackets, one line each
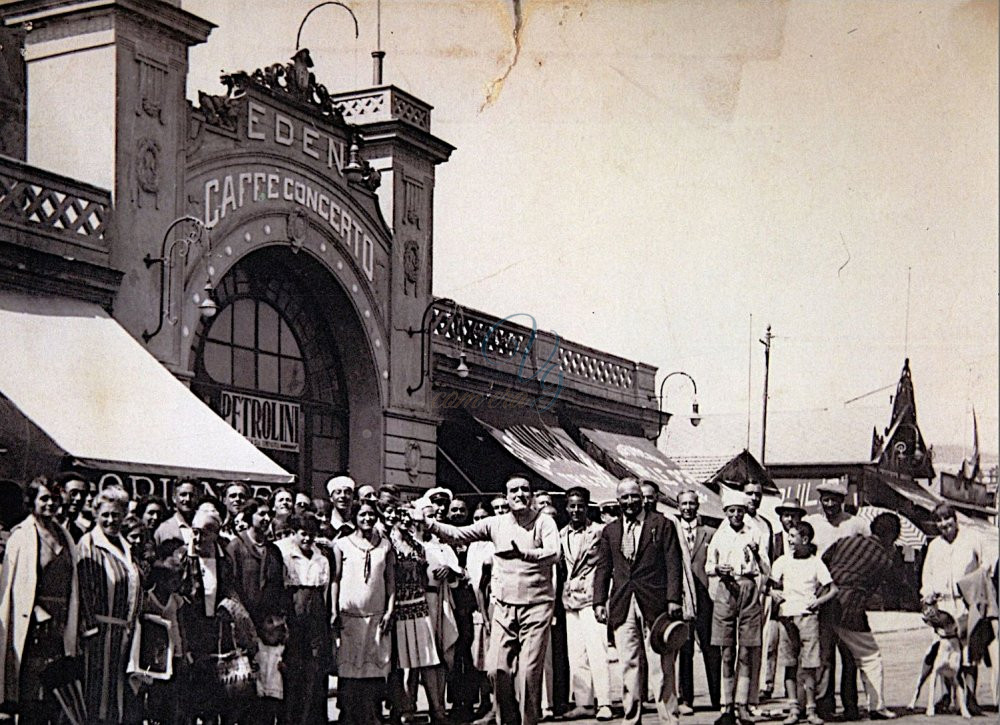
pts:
[943, 662]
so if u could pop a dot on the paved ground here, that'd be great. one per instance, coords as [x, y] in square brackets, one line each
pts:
[903, 640]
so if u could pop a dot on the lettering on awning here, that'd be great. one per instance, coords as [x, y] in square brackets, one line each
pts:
[265, 422]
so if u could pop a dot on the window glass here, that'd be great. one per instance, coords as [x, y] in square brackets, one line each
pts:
[218, 363]
[244, 322]
[267, 328]
[244, 374]
[293, 378]
[222, 326]
[289, 347]
[267, 372]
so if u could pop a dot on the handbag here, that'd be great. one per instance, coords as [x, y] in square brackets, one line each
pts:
[234, 671]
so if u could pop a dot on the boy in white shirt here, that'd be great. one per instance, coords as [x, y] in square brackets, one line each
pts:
[801, 585]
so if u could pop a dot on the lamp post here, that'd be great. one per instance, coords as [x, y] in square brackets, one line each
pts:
[443, 305]
[197, 236]
[695, 416]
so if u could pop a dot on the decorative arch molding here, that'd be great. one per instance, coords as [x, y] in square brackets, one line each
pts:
[324, 313]
[234, 241]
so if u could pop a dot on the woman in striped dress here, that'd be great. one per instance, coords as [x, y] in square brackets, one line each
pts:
[109, 605]
[415, 648]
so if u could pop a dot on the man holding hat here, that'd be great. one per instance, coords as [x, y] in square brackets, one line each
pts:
[341, 492]
[736, 568]
[830, 526]
[641, 554]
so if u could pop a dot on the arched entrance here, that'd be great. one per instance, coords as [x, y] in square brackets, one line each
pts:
[283, 363]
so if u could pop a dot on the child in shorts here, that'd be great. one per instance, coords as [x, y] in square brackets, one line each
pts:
[801, 584]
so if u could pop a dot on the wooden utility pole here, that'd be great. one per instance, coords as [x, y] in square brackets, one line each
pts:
[766, 342]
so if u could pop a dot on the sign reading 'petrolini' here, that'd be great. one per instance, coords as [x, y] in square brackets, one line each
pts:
[264, 422]
[229, 193]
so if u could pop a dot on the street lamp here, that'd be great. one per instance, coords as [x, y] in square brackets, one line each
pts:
[695, 416]
[197, 236]
[445, 305]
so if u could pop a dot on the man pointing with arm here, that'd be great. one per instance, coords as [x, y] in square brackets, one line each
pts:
[527, 545]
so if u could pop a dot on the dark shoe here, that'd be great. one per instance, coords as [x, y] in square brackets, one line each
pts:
[765, 695]
[726, 718]
[850, 714]
[883, 714]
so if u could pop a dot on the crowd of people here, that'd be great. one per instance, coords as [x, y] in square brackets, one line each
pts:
[239, 609]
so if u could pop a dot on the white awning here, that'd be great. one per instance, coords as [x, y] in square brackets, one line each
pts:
[87, 386]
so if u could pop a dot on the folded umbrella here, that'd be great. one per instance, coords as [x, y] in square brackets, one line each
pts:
[64, 679]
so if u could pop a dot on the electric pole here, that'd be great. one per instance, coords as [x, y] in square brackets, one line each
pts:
[766, 342]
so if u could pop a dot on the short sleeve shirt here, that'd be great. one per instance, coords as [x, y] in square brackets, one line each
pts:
[801, 579]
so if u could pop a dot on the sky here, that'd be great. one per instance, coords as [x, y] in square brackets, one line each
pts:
[643, 177]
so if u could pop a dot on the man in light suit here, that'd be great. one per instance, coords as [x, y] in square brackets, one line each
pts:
[586, 638]
[694, 537]
[641, 555]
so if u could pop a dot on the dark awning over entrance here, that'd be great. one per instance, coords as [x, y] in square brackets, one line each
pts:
[551, 453]
[75, 382]
[626, 455]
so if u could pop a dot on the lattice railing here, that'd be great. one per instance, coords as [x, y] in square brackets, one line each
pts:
[383, 104]
[508, 342]
[53, 206]
[602, 371]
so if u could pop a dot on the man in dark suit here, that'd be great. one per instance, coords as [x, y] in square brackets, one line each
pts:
[640, 554]
[694, 537]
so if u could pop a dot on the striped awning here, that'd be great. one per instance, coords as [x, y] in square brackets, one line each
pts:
[909, 534]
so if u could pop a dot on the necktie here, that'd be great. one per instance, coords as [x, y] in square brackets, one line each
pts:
[628, 541]
[689, 531]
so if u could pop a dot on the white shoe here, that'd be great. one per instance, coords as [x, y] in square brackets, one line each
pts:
[604, 713]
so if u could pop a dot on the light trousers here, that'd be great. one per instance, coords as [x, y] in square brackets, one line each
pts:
[587, 651]
[772, 637]
[640, 662]
[519, 637]
[866, 653]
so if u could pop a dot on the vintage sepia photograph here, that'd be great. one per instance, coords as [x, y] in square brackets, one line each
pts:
[499, 362]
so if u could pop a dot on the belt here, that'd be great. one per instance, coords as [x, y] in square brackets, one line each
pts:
[111, 620]
[433, 590]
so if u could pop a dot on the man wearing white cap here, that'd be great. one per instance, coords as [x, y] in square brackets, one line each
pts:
[341, 492]
[834, 523]
[736, 570]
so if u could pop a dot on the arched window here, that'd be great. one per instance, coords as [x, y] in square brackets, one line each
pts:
[250, 346]
[267, 353]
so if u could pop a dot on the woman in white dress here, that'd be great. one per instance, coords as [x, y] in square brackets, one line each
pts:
[363, 592]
